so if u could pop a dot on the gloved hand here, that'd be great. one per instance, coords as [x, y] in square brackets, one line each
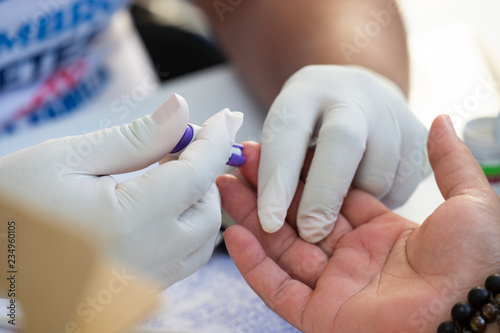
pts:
[163, 223]
[364, 135]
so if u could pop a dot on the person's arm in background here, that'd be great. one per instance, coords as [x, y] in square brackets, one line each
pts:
[357, 117]
[269, 40]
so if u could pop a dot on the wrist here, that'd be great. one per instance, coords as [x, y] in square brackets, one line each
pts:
[480, 313]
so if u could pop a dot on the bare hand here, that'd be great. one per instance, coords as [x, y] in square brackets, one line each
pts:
[376, 271]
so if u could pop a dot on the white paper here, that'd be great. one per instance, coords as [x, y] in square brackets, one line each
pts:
[215, 299]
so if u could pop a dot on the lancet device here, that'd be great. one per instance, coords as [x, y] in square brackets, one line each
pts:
[235, 160]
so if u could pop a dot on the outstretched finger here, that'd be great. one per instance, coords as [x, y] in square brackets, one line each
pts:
[302, 260]
[282, 294]
[360, 207]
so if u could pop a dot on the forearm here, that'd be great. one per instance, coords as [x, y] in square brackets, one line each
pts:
[268, 40]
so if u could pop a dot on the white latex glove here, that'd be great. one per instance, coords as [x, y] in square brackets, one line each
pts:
[163, 223]
[364, 133]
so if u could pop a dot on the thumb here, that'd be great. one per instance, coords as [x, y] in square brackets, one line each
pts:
[128, 147]
[456, 170]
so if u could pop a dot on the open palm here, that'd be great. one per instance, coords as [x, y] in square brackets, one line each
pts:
[376, 271]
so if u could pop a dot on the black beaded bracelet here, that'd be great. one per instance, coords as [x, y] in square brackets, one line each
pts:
[483, 308]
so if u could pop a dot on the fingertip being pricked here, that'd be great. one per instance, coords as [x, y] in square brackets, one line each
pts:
[250, 168]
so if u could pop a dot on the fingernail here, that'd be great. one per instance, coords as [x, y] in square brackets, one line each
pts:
[175, 103]
[234, 123]
[449, 123]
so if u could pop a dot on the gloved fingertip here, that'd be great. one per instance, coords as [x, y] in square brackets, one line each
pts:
[175, 103]
[313, 230]
[312, 238]
[271, 222]
[234, 120]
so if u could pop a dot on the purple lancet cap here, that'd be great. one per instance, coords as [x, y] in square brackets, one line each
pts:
[237, 159]
[184, 141]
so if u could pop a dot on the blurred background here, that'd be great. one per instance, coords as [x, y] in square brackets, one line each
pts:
[453, 46]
